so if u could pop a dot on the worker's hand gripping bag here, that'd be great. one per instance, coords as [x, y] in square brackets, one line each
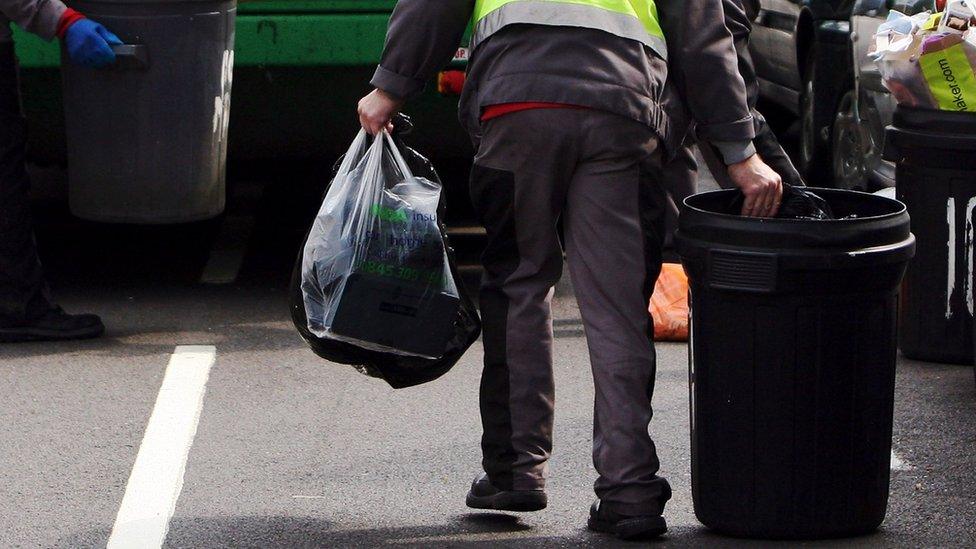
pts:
[376, 285]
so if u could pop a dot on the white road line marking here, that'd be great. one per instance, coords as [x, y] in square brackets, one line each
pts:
[157, 477]
[898, 464]
[228, 251]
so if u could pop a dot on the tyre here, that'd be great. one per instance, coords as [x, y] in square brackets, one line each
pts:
[849, 147]
[818, 102]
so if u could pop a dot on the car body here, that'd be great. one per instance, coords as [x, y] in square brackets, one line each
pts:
[802, 53]
[812, 58]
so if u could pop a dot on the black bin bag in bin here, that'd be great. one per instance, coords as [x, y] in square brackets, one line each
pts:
[376, 284]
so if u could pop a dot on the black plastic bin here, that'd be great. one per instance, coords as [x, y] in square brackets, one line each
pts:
[935, 153]
[147, 139]
[792, 364]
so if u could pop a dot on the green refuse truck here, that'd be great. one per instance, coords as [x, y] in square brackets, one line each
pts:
[300, 67]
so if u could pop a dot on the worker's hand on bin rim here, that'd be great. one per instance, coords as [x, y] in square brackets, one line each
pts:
[89, 44]
[762, 187]
[376, 111]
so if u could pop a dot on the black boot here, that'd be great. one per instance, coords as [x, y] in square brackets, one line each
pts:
[53, 326]
[604, 519]
[484, 495]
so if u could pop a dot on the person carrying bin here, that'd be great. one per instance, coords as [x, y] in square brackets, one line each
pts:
[26, 310]
[564, 102]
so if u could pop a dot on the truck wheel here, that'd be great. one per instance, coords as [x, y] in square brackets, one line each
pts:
[848, 147]
[817, 106]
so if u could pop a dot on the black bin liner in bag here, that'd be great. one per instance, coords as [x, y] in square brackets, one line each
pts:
[798, 203]
[376, 285]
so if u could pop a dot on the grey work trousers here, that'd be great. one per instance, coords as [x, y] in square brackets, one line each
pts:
[584, 166]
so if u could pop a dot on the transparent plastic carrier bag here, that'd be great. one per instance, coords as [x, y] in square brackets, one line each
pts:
[377, 285]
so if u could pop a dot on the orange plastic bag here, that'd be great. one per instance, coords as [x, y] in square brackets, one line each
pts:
[669, 304]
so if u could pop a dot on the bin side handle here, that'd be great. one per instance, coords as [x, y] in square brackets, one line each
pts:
[131, 56]
[742, 271]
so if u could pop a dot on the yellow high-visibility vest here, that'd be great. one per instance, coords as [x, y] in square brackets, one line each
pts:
[632, 19]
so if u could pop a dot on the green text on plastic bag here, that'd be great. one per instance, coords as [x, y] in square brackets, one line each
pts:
[950, 78]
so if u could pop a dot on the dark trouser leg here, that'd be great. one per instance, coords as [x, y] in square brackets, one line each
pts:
[23, 292]
[614, 230]
[680, 180]
[518, 187]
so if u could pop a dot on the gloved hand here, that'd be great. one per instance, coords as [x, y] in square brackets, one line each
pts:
[89, 44]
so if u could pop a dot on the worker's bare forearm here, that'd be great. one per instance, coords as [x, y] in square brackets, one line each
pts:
[704, 65]
[422, 39]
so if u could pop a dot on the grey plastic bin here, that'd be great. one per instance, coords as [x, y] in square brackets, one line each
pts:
[147, 139]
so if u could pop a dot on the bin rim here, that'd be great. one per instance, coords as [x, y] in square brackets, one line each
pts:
[764, 220]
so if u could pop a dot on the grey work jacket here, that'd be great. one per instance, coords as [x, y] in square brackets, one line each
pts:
[579, 66]
[40, 17]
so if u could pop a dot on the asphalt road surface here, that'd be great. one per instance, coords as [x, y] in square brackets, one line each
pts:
[255, 442]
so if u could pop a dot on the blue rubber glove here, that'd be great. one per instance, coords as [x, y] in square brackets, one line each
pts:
[89, 44]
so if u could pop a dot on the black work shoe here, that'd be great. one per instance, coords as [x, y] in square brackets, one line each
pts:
[483, 495]
[53, 326]
[605, 520]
